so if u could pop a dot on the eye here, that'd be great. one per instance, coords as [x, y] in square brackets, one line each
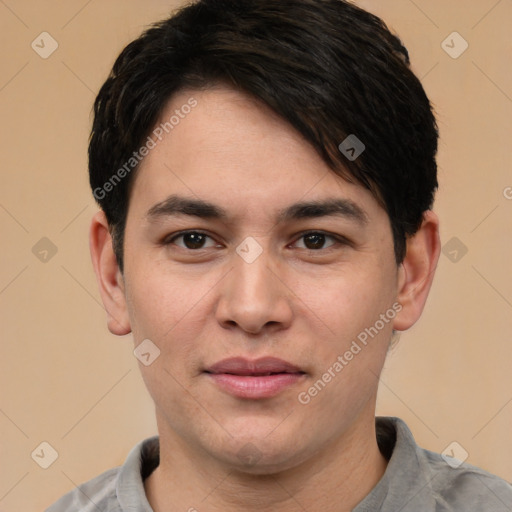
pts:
[315, 240]
[197, 240]
[192, 240]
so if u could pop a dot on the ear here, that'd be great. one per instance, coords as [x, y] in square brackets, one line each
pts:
[416, 272]
[109, 277]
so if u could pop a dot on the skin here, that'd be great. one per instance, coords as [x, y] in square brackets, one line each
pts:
[303, 306]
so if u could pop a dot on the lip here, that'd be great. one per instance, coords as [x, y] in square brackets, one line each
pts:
[255, 379]
[243, 366]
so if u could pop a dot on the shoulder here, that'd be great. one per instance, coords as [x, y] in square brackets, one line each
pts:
[98, 493]
[450, 484]
[462, 486]
[117, 489]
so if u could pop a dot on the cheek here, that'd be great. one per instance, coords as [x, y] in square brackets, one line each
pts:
[171, 311]
[160, 302]
[349, 364]
[344, 302]
[162, 310]
[344, 315]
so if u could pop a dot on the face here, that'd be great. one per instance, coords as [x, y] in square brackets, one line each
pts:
[255, 273]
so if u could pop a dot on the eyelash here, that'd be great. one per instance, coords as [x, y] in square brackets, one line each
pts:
[339, 240]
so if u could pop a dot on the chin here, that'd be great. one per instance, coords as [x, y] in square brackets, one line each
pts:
[260, 456]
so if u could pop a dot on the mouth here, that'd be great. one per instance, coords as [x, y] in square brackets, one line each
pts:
[254, 379]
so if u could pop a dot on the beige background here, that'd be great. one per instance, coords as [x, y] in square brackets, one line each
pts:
[67, 381]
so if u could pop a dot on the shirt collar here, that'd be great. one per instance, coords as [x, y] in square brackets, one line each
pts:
[142, 459]
[406, 479]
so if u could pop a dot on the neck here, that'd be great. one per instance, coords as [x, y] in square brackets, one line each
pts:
[336, 478]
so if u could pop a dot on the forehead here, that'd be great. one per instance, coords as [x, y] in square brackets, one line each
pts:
[230, 149]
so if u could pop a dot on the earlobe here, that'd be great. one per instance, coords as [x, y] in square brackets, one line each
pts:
[108, 275]
[416, 272]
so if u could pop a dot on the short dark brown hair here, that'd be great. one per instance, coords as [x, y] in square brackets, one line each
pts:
[327, 67]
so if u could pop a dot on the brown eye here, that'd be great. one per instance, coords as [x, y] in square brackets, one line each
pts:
[191, 240]
[315, 240]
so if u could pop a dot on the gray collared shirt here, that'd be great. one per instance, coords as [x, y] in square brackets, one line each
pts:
[416, 480]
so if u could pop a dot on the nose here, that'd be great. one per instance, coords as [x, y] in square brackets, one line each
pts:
[254, 296]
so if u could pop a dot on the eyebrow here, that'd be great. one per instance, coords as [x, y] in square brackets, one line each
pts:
[175, 205]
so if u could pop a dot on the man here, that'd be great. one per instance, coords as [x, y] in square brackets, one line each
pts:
[266, 172]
